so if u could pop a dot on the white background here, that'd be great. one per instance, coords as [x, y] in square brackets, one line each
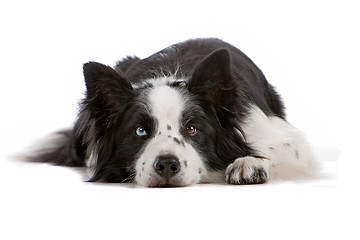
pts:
[308, 49]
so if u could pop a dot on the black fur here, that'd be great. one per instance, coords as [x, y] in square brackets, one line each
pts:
[222, 83]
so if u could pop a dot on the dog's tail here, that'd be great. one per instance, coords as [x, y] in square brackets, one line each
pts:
[61, 148]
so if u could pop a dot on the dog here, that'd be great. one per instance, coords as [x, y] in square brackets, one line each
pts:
[199, 111]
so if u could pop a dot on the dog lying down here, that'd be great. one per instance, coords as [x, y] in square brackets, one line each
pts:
[199, 111]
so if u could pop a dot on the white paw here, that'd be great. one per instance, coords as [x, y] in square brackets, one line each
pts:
[247, 170]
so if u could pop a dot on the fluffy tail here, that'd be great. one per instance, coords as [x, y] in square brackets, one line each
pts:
[61, 148]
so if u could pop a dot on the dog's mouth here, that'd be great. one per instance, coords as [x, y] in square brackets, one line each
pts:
[162, 183]
[159, 182]
[166, 185]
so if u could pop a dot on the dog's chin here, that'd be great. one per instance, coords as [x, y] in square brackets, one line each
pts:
[161, 183]
[166, 185]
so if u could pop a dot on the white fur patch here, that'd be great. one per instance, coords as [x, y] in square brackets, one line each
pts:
[289, 155]
[167, 105]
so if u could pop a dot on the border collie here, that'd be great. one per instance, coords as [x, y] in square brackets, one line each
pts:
[199, 111]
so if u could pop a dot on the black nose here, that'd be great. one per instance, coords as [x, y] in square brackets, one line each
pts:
[167, 165]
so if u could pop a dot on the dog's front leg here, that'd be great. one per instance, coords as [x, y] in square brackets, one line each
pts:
[248, 170]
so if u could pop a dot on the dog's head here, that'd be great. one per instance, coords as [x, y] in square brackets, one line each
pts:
[164, 131]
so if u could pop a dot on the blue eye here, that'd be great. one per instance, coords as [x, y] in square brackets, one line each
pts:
[141, 132]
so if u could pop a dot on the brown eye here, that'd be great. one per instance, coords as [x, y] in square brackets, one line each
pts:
[191, 130]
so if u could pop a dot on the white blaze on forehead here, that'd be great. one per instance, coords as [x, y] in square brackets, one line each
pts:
[166, 105]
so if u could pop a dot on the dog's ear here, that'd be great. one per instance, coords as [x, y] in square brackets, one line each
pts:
[212, 78]
[107, 89]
